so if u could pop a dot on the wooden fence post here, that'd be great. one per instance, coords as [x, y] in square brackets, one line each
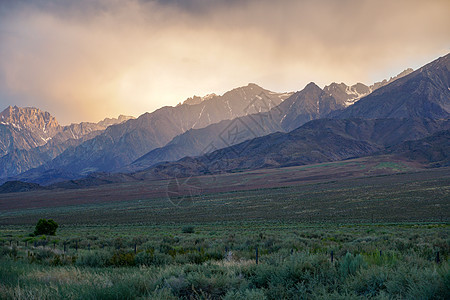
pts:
[332, 255]
[256, 254]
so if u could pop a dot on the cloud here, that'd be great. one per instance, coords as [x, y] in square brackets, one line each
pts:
[85, 60]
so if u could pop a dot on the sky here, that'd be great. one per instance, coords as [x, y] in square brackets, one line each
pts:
[90, 59]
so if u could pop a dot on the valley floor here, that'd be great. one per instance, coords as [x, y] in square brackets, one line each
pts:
[354, 191]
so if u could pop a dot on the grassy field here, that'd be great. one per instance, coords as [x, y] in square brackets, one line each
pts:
[218, 261]
[348, 230]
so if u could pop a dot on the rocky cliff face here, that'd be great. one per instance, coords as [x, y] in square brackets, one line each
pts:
[25, 128]
[347, 95]
[30, 118]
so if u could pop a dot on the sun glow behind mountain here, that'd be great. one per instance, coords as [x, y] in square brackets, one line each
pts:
[89, 59]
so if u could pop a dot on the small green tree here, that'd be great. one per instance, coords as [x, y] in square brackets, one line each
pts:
[44, 226]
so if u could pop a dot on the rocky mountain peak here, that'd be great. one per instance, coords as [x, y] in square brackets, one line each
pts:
[251, 88]
[311, 86]
[29, 118]
[347, 95]
[197, 100]
[113, 121]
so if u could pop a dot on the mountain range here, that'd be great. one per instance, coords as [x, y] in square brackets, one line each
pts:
[244, 129]
[109, 147]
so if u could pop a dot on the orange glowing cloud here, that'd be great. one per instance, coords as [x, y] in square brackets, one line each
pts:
[90, 59]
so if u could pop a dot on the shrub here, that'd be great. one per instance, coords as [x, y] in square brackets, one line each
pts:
[247, 294]
[8, 251]
[161, 259]
[178, 285]
[188, 229]
[196, 257]
[144, 258]
[120, 259]
[95, 259]
[207, 282]
[44, 226]
[162, 294]
[350, 264]
[369, 283]
[44, 254]
[150, 258]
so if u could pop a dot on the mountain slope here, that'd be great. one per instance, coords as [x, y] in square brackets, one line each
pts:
[195, 142]
[434, 149]
[425, 93]
[318, 141]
